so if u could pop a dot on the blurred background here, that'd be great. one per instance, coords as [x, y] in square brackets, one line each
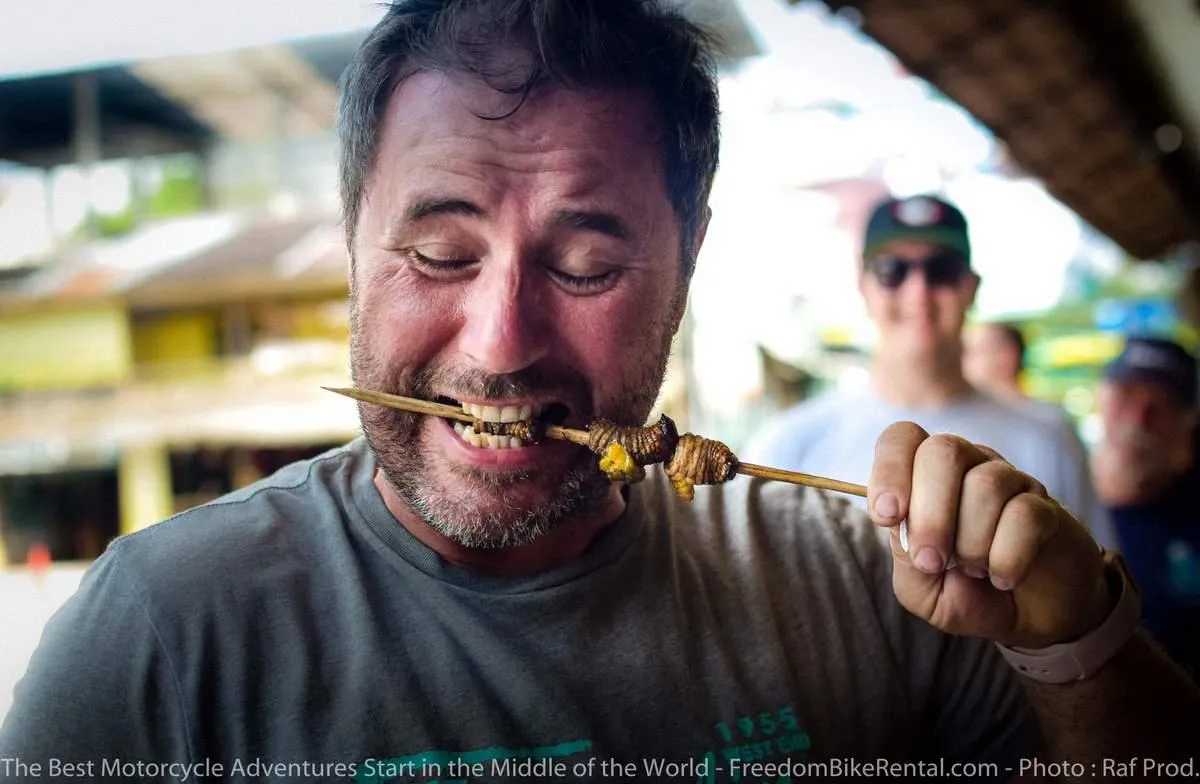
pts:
[173, 279]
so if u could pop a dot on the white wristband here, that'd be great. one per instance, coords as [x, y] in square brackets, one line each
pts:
[1074, 661]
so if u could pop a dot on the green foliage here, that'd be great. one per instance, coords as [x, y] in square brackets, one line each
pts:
[115, 225]
[182, 189]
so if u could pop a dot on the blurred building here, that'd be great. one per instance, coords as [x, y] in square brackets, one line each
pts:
[174, 295]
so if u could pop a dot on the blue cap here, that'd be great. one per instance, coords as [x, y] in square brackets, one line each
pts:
[1157, 361]
[923, 218]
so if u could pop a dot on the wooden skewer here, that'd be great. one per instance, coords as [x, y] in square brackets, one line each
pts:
[416, 405]
[798, 478]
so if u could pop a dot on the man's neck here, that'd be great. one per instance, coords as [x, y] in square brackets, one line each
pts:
[1007, 392]
[556, 548]
[932, 381]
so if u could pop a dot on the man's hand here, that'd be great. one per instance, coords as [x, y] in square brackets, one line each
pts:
[1028, 573]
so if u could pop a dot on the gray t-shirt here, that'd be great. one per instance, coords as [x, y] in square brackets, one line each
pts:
[834, 434]
[296, 625]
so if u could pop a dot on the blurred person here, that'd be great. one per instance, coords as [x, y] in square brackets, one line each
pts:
[994, 358]
[917, 283]
[525, 188]
[994, 361]
[1146, 471]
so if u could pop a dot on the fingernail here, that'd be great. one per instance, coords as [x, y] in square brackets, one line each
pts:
[904, 535]
[1001, 583]
[974, 572]
[928, 560]
[886, 506]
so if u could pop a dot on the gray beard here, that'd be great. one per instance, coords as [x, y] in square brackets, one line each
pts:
[579, 488]
[578, 494]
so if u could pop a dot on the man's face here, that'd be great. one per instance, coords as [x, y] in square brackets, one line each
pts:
[989, 360]
[917, 313]
[513, 265]
[1144, 422]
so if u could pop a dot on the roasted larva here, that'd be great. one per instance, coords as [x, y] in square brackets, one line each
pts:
[530, 431]
[645, 445]
[689, 459]
[699, 461]
[625, 450]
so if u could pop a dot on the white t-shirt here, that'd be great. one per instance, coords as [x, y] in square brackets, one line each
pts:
[1043, 410]
[834, 435]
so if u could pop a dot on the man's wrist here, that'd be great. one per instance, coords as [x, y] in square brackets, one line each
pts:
[1108, 591]
[1082, 657]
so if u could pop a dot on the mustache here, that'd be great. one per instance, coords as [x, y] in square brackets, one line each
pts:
[531, 382]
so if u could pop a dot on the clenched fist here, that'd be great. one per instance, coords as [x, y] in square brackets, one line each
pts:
[1025, 572]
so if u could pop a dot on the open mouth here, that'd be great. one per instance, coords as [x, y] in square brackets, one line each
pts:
[491, 417]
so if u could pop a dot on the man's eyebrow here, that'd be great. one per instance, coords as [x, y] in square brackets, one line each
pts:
[428, 207]
[599, 222]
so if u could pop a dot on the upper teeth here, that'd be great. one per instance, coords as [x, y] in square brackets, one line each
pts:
[500, 413]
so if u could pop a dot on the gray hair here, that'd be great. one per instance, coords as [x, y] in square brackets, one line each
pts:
[584, 44]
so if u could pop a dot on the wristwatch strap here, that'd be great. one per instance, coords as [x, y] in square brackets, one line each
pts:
[1082, 658]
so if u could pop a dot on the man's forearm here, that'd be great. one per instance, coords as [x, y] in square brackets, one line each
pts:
[1139, 705]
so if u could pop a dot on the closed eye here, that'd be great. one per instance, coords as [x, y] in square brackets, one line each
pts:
[586, 284]
[436, 266]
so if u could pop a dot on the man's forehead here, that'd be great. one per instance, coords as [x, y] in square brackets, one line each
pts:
[913, 250]
[1141, 386]
[562, 152]
[428, 102]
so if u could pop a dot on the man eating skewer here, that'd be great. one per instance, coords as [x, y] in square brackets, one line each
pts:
[525, 188]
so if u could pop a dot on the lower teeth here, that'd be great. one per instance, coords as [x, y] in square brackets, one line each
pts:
[485, 440]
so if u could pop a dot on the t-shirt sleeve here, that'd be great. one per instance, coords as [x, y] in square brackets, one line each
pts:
[99, 687]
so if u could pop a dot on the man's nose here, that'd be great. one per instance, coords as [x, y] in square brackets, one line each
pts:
[915, 284]
[504, 324]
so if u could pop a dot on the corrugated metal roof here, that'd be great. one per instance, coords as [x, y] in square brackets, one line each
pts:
[265, 256]
[43, 433]
[206, 258]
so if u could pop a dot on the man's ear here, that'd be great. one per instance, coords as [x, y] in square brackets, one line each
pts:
[973, 281]
[695, 246]
[1192, 419]
[688, 267]
[701, 233]
[348, 241]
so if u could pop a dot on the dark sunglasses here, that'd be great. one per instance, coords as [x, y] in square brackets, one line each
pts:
[944, 268]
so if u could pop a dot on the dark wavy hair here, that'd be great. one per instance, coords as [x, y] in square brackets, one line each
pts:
[585, 44]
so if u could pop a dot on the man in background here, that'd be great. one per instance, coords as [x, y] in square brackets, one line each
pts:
[994, 361]
[1146, 474]
[917, 282]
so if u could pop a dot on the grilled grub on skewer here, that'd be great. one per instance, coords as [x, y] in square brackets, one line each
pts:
[530, 431]
[689, 460]
[644, 445]
[699, 461]
[692, 461]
